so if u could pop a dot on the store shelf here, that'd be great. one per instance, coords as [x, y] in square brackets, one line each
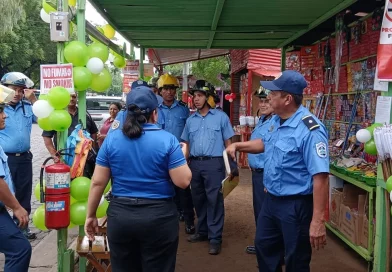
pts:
[360, 250]
[361, 59]
[359, 184]
[337, 121]
[352, 93]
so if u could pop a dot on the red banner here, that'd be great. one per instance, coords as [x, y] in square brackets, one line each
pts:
[384, 51]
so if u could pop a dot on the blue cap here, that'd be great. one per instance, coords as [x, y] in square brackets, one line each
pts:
[289, 81]
[138, 83]
[144, 98]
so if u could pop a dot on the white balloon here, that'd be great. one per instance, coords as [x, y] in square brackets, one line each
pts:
[44, 16]
[363, 135]
[101, 201]
[95, 65]
[42, 109]
[230, 100]
[390, 195]
[111, 57]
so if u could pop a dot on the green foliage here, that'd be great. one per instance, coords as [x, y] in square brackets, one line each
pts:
[117, 82]
[11, 13]
[174, 69]
[28, 44]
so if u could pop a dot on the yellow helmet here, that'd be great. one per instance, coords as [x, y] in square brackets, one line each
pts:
[167, 80]
[211, 101]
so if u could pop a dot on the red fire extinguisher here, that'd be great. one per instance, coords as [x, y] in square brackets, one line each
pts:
[57, 194]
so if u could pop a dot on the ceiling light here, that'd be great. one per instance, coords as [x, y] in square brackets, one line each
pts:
[361, 14]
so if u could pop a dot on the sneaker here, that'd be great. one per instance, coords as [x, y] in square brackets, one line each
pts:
[215, 249]
[197, 238]
[190, 228]
[181, 216]
[28, 234]
[250, 250]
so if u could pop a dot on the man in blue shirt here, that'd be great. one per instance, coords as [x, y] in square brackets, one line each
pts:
[15, 138]
[172, 117]
[295, 176]
[207, 131]
[14, 244]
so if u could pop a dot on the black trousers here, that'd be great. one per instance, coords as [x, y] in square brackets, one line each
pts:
[21, 168]
[142, 235]
[184, 203]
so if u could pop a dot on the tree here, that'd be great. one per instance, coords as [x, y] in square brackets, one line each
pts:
[28, 45]
[173, 69]
[11, 13]
[117, 82]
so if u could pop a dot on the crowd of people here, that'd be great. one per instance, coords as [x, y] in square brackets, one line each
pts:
[166, 166]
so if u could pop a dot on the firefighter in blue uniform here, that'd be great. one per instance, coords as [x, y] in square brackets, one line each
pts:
[296, 178]
[207, 131]
[172, 118]
[15, 138]
[14, 244]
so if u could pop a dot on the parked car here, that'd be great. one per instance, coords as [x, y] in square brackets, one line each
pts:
[98, 107]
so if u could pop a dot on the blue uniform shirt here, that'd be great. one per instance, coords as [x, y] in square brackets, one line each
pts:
[294, 154]
[160, 99]
[140, 167]
[5, 172]
[207, 135]
[261, 131]
[15, 138]
[173, 118]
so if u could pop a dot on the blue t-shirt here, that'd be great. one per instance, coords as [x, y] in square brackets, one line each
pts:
[207, 134]
[15, 137]
[140, 167]
[173, 118]
[5, 172]
[294, 154]
[261, 131]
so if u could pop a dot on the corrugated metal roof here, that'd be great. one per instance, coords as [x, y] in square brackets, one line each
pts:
[264, 59]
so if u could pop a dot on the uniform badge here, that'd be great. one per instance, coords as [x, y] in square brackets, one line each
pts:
[321, 149]
[115, 124]
[271, 128]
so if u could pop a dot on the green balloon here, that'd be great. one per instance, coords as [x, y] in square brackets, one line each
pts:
[101, 210]
[107, 188]
[43, 97]
[37, 191]
[39, 218]
[389, 184]
[60, 120]
[72, 200]
[76, 53]
[119, 62]
[98, 50]
[80, 188]
[78, 213]
[44, 124]
[100, 29]
[82, 78]
[48, 8]
[71, 225]
[370, 147]
[102, 81]
[372, 127]
[59, 97]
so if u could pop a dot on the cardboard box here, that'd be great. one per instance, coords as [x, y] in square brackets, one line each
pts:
[347, 223]
[364, 237]
[336, 197]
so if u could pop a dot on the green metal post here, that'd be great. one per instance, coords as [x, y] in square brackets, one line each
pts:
[380, 243]
[62, 234]
[81, 33]
[141, 64]
[283, 60]
[132, 52]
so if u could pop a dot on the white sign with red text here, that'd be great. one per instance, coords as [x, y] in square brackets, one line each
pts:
[384, 50]
[53, 75]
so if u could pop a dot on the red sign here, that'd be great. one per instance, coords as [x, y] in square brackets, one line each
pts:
[127, 82]
[53, 75]
[132, 68]
[384, 51]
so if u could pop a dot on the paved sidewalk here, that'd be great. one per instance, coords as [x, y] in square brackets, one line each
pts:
[40, 154]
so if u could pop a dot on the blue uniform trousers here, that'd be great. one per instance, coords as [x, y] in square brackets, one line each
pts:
[184, 203]
[21, 168]
[258, 192]
[14, 244]
[206, 184]
[283, 224]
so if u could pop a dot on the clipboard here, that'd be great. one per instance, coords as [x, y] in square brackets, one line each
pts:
[232, 176]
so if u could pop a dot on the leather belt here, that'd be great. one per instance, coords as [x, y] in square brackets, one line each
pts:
[258, 170]
[16, 154]
[204, 158]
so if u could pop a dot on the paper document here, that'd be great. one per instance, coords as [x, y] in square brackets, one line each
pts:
[232, 173]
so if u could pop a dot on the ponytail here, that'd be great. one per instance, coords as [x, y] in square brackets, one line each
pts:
[132, 127]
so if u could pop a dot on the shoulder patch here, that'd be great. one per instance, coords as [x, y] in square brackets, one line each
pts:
[115, 124]
[182, 103]
[310, 122]
[321, 149]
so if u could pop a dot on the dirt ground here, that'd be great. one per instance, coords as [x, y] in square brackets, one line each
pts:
[239, 232]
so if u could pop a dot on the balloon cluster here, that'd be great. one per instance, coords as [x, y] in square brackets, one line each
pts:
[80, 188]
[230, 97]
[366, 136]
[46, 9]
[50, 110]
